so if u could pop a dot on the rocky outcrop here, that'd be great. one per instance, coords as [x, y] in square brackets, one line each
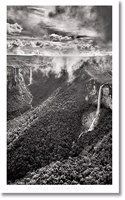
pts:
[107, 96]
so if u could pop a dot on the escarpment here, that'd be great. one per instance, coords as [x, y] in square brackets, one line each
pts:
[19, 97]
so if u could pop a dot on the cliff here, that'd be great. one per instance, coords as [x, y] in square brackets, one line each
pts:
[19, 97]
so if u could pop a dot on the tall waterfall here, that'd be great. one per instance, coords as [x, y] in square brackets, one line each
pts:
[95, 120]
[31, 76]
[99, 100]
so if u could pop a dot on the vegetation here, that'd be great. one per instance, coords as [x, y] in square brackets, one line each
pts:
[93, 166]
[44, 146]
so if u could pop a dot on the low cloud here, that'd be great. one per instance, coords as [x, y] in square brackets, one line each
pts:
[13, 28]
[56, 37]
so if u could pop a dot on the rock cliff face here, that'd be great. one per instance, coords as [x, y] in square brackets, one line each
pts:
[107, 96]
[19, 97]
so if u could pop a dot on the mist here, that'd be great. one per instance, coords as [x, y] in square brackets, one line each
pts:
[57, 65]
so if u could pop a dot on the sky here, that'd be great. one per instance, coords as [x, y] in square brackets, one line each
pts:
[38, 21]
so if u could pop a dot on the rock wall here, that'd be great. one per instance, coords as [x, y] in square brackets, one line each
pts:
[19, 98]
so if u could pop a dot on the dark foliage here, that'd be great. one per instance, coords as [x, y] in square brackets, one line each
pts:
[92, 167]
[51, 138]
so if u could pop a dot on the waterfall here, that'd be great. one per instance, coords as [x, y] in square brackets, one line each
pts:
[97, 113]
[31, 76]
[96, 118]
[99, 100]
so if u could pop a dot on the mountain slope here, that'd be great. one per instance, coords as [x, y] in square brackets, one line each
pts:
[51, 137]
[92, 166]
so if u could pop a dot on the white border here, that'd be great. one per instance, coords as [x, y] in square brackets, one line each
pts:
[114, 188]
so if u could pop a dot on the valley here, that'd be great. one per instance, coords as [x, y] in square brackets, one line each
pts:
[50, 142]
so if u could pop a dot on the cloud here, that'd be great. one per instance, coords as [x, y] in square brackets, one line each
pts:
[93, 21]
[57, 11]
[84, 20]
[56, 37]
[28, 19]
[13, 28]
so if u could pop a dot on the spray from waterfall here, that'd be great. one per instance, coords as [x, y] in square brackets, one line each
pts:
[57, 64]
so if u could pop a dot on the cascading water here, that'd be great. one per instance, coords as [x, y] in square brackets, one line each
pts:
[95, 121]
[31, 76]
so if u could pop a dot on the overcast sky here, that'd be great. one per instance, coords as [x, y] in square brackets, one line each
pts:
[37, 21]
